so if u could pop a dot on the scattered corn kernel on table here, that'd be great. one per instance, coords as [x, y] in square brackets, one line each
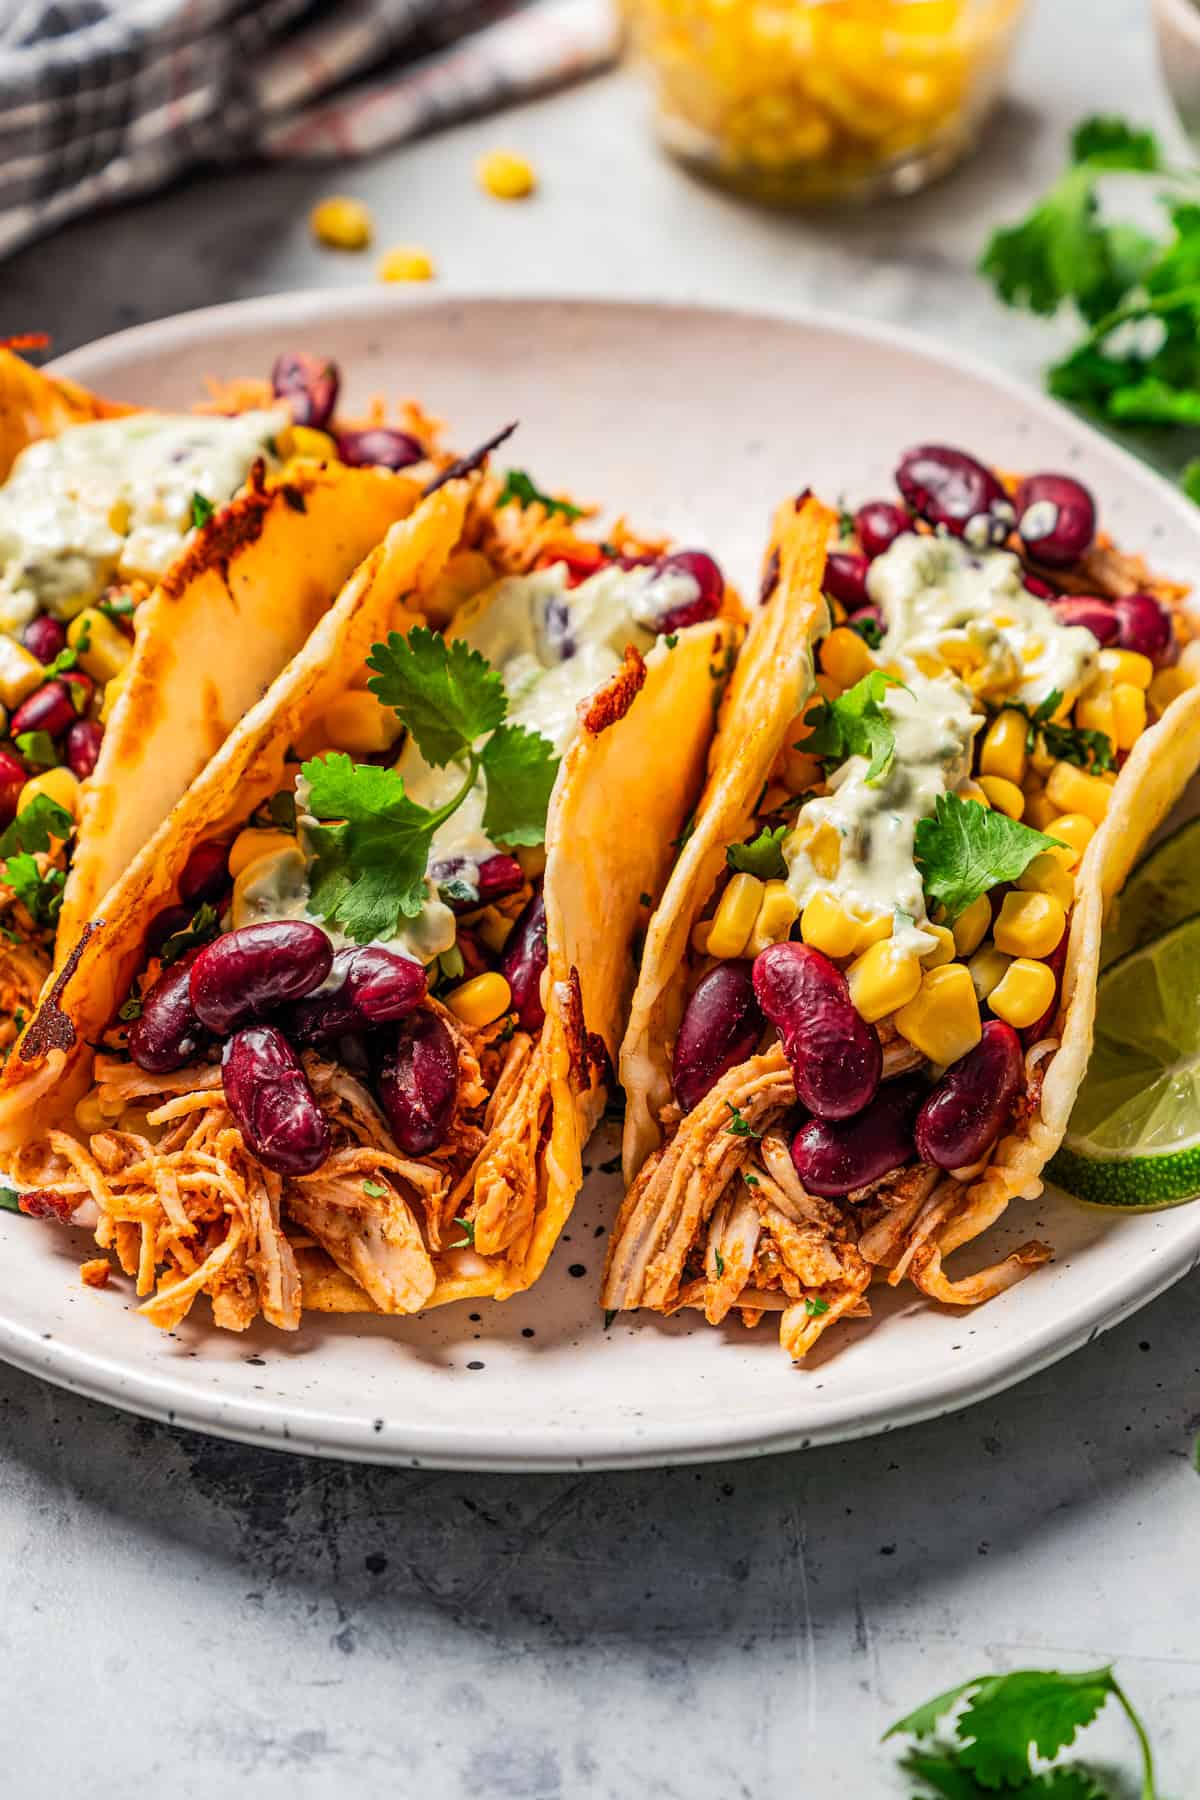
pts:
[203, 1616]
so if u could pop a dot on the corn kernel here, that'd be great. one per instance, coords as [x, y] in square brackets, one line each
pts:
[735, 916]
[88, 1115]
[1127, 666]
[20, 672]
[1129, 714]
[359, 723]
[825, 851]
[1003, 749]
[249, 845]
[505, 175]
[1072, 790]
[1167, 685]
[1004, 795]
[944, 950]
[845, 657]
[883, 978]
[942, 1018]
[1073, 829]
[971, 790]
[341, 223]
[988, 968]
[700, 931]
[406, 262]
[316, 446]
[1029, 924]
[776, 915]
[1024, 994]
[873, 929]
[1039, 810]
[1040, 759]
[102, 647]
[828, 927]
[112, 693]
[1048, 874]
[482, 1000]
[972, 925]
[58, 785]
[1095, 713]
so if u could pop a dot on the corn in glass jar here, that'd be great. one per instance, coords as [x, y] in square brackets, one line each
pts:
[795, 101]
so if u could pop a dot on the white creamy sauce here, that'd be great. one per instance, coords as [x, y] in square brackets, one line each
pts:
[938, 595]
[112, 502]
[552, 647]
[934, 723]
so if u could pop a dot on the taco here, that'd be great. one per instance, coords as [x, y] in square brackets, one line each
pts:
[866, 1000]
[361, 1076]
[156, 572]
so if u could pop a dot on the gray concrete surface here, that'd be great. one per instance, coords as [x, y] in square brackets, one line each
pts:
[200, 1618]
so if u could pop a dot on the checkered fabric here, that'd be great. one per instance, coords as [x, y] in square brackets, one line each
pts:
[101, 100]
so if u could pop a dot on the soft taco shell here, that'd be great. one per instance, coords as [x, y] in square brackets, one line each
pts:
[624, 788]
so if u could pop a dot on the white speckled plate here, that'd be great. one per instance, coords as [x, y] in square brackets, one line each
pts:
[697, 421]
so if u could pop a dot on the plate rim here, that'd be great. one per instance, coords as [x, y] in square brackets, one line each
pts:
[508, 1448]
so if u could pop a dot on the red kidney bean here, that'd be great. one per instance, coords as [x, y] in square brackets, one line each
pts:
[13, 776]
[374, 987]
[44, 637]
[167, 1033]
[48, 709]
[165, 924]
[523, 961]
[247, 972]
[1144, 624]
[949, 488]
[379, 447]
[878, 524]
[845, 578]
[1041, 590]
[967, 1110]
[1056, 518]
[834, 1156]
[80, 688]
[710, 585]
[835, 1055]
[874, 615]
[1089, 610]
[418, 1083]
[309, 384]
[720, 1028]
[205, 873]
[499, 876]
[273, 1106]
[83, 746]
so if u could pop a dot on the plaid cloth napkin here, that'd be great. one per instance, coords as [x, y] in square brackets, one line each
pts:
[101, 100]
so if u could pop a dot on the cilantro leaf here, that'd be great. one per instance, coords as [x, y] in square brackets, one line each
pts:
[966, 849]
[762, 856]
[868, 629]
[37, 747]
[40, 894]
[520, 768]
[375, 1190]
[739, 1125]
[1067, 743]
[719, 1263]
[519, 488]
[10, 1200]
[467, 1240]
[369, 869]
[202, 510]
[35, 825]
[815, 1308]
[941, 1770]
[1042, 1708]
[1189, 481]
[1111, 143]
[200, 928]
[447, 694]
[855, 724]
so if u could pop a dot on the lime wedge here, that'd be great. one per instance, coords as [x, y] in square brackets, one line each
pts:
[1163, 889]
[1134, 1136]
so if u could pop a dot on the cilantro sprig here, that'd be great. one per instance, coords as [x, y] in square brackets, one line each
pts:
[519, 489]
[981, 1736]
[202, 510]
[762, 856]
[1091, 750]
[372, 848]
[35, 825]
[966, 849]
[1136, 295]
[855, 724]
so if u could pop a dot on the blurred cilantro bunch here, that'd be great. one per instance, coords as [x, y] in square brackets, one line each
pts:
[1136, 295]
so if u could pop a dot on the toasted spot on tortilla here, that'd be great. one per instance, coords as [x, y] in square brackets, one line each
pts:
[615, 699]
[50, 1028]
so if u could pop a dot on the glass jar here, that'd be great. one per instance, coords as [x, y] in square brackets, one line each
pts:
[795, 101]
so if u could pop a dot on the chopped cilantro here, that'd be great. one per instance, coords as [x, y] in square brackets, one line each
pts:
[200, 928]
[815, 1308]
[35, 825]
[645, 900]
[467, 1240]
[202, 510]
[845, 520]
[762, 856]
[739, 1125]
[131, 1010]
[116, 606]
[670, 639]
[68, 656]
[282, 809]
[867, 629]
[719, 1263]
[40, 894]
[965, 850]
[749, 1179]
[1066, 743]
[855, 724]
[457, 892]
[10, 1200]
[375, 1190]
[519, 489]
[685, 831]
[37, 747]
